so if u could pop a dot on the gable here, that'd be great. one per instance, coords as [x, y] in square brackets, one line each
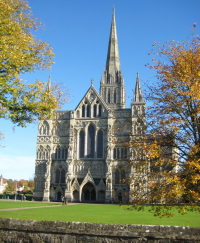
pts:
[92, 98]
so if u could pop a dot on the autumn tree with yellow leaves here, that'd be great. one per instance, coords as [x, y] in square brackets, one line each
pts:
[21, 52]
[167, 163]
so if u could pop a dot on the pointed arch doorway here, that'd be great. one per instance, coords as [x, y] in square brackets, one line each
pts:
[59, 196]
[88, 193]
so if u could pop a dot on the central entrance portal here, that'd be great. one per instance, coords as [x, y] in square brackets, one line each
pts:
[88, 193]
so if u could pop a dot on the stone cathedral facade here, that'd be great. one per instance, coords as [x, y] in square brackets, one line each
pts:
[77, 153]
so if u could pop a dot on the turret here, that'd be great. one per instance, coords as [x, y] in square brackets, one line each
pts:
[138, 105]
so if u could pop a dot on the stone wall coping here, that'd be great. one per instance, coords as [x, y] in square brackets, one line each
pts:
[123, 230]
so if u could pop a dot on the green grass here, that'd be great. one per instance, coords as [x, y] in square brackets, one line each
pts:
[104, 214]
[19, 204]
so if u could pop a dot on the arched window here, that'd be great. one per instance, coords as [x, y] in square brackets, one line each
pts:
[117, 180]
[99, 110]
[122, 153]
[78, 114]
[108, 79]
[115, 153]
[125, 153]
[90, 142]
[56, 129]
[63, 153]
[62, 176]
[115, 96]
[66, 153]
[56, 153]
[88, 111]
[122, 176]
[108, 96]
[81, 144]
[100, 144]
[40, 151]
[44, 129]
[83, 111]
[118, 153]
[58, 149]
[95, 111]
[57, 176]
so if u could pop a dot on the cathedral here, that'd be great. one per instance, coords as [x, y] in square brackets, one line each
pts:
[81, 153]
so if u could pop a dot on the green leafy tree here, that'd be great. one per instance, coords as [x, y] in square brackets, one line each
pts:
[11, 186]
[30, 185]
[168, 161]
[21, 52]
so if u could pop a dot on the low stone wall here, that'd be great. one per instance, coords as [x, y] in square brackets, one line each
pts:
[14, 230]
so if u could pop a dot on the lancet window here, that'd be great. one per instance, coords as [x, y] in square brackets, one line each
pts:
[99, 110]
[61, 153]
[120, 176]
[43, 152]
[44, 129]
[81, 144]
[95, 110]
[108, 96]
[86, 110]
[90, 142]
[120, 153]
[93, 146]
[60, 175]
[83, 111]
[100, 144]
[115, 96]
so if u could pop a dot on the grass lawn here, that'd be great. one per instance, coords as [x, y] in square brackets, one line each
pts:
[19, 204]
[104, 214]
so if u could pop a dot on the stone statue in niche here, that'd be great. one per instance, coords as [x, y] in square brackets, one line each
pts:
[47, 184]
[109, 129]
[108, 152]
[108, 181]
[71, 114]
[69, 151]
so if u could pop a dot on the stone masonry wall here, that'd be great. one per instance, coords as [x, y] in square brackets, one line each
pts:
[14, 230]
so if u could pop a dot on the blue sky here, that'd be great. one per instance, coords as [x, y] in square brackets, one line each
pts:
[78, 32]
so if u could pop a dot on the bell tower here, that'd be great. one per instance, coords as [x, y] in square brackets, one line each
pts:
[112, 88]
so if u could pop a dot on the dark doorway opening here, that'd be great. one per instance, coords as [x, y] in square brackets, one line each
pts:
[59, 196]
[120, 197]
[89, 193]
[93, 195]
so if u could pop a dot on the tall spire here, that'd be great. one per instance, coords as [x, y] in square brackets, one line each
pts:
[113, 62]
[112, 87]
[138, 97]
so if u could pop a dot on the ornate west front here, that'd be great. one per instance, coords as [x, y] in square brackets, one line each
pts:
[81, 153]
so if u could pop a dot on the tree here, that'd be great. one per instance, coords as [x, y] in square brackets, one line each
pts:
[168, 152]
[21, 52]
[30, 185]
[1, 137]
[11, 186]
